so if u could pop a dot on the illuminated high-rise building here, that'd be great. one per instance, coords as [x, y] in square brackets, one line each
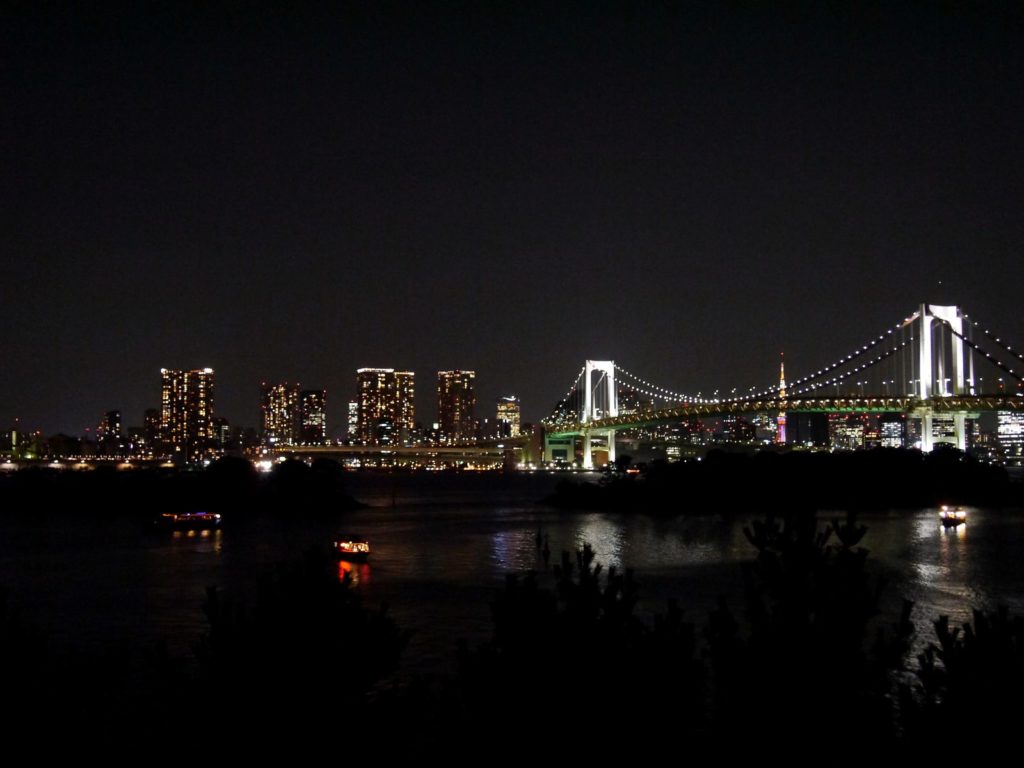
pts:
[1010, 433]
[846, 430]
[151, 420]
[456, 402]
[405, 389]
[353, 419]
[108, 435]
[508, 417]
[109, 427]
[221, 434]
[186, 413]
[892, 430]
[280, 408]
[313, 417]
[386, 405]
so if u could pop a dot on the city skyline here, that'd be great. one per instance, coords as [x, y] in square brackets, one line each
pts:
[689, 191]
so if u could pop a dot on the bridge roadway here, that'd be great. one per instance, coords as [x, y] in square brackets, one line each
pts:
[485, 450]
[871, 404]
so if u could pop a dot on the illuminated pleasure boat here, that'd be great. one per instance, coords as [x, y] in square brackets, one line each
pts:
[349, 547]
[952, 517]
[189, 520]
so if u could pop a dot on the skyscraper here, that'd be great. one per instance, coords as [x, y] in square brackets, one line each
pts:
[386, 410]
[508, 417]
[353, 420]
[405, 403]
[108, 435]
[109, 427]
[280, 408]
[186, 416]
[1010, 430]
[456, 402]
[313, 417]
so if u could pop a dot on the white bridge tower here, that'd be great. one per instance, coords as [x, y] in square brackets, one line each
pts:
[932, 361]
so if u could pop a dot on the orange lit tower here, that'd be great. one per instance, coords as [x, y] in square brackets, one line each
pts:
[780, 438]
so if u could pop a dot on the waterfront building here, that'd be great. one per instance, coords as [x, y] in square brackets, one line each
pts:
[280, 410]
[353, 420]
[109, 427]
[109, 440]
[186, 414]
[456, 402]
[386, 405]
[1010, 433]
[508, 416]
[892, 430]
[151, 426]
[313, 417]
[846, 430]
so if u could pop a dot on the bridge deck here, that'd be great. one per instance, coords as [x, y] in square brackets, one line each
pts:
[958, 403]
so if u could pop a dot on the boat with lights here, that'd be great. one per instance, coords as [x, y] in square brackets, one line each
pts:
[189, 520]
[952, 516]
[347, 546]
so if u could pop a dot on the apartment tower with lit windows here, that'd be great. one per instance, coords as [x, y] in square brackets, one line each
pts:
[386, 405]
[313, 417]
[508, 416]
[280, 411]
[186, 413]
[456, 403]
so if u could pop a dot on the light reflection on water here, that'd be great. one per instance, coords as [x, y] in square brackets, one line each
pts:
[438, 566]
[358, 573]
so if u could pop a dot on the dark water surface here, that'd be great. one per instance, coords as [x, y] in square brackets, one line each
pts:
[442, 546]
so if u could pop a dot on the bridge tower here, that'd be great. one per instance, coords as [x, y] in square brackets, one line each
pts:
[932, 360]
[600, 399]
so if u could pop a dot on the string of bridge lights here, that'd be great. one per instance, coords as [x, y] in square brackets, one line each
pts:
[674, 397]
[841, 362]
[653, 395]
[810, 383]
[575, 384]
[793, 389]
[997, 363]
[837, 379]
[996, 339]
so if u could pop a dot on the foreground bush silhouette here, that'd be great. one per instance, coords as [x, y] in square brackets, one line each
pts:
[971, 679]
[300, 661]
[571, 672]
[802, 664]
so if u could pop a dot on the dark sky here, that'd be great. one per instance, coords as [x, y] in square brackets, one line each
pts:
[511, 188]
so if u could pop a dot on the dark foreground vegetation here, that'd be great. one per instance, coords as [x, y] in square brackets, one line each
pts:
[228, 485]
[799, 669]
[723, 482]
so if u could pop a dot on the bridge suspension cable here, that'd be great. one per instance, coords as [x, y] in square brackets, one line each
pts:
[988, 357]
[653, 390]
[996, 340]
[795, 386]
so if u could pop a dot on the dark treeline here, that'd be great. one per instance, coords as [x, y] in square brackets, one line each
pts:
[229, 485]
[801, 668]
[884, 478]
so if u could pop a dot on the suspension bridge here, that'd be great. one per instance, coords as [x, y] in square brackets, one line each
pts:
[936, 366]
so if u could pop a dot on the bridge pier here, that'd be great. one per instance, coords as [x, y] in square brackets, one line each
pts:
[928, 441]
[588, 458]
[927, 432]
[960, 429]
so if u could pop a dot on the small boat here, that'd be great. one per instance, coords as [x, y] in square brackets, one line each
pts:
[189, 520]
[346, 546]
[952, 517]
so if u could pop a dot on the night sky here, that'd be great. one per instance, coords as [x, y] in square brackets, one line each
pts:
[510, 188]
